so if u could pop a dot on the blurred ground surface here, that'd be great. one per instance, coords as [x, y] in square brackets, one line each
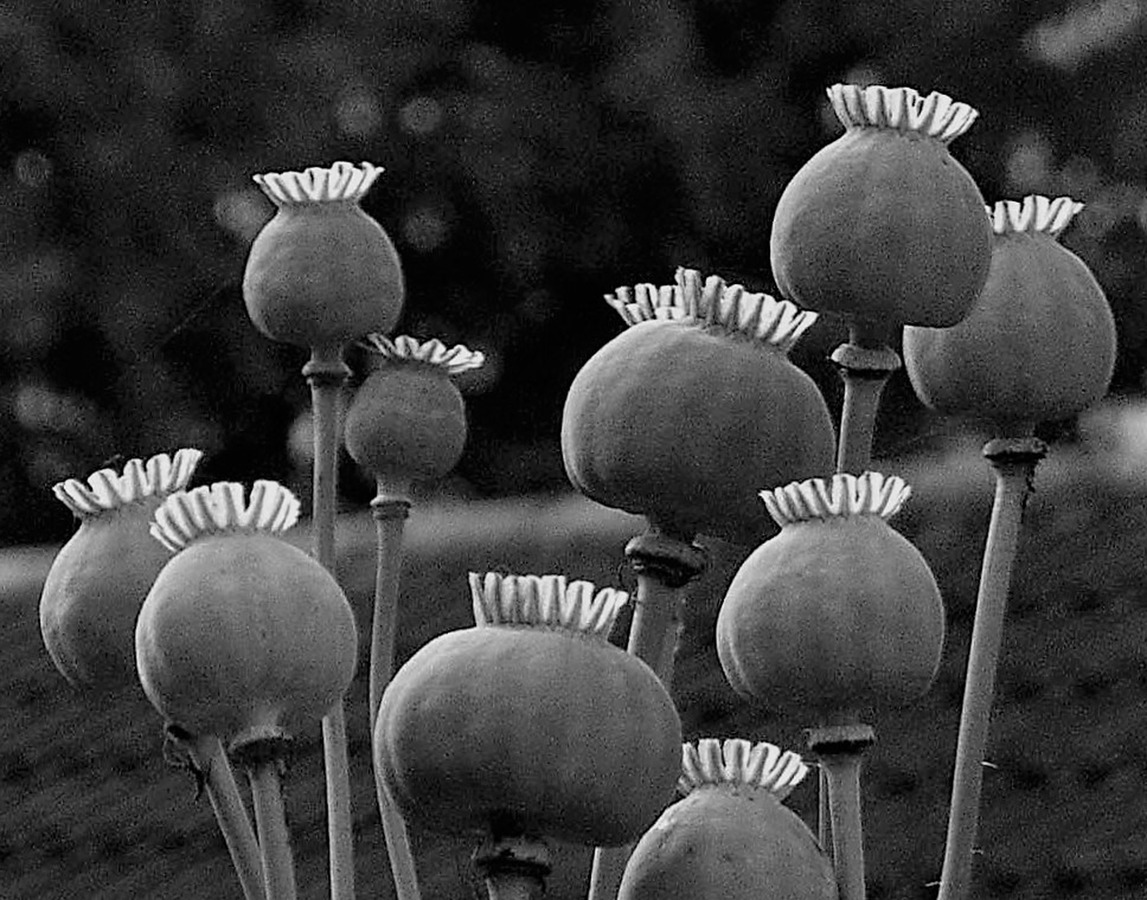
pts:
[91, 810]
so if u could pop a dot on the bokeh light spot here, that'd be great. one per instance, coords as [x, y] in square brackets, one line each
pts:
[425, 228]
[358, 113]
[32, 168]
[242, 213]
[420, 116]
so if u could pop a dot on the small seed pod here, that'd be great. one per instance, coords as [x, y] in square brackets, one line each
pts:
[838, 615]
[1039, 344]
[322, 273]
[243, 635]
[532, 723]
[685, 414]
[883, 225]
[731, 838]
[100, 577]
[408, 421]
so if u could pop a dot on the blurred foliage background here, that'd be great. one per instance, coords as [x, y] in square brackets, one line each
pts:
[537, 156]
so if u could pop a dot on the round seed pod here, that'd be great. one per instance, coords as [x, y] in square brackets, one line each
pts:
[322, 273]
[407, 421]
[731, 838]
[883, 224]
[531, 723]
[1039, 344]
[100, 577]
[243, 635]
[681, 417]
[838, 615]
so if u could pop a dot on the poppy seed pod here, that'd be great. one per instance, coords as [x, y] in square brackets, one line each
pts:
[243, 635]
[322, 273]
[686, 413]
[883, 224]
[100, 577]
[731, 838]
[407, 421]
[531, 723]
[838, 615]
[1039, 344]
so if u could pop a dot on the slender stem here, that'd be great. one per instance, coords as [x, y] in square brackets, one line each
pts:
[326, 372]
[664, 566]
[865, 367]
[390, 509]
[230, 812]
[840, 750]
[823, 814]
[274, 839]
[398, 850]
[865, 364]
[1014, 461]
[514, 868]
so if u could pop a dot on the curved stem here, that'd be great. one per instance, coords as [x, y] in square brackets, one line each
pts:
[326, 373]
[402, 867]
[230, 812]
[274, 839]
[390, 509]
[865, 369]
[664, 566]
[840, 750]
[1014, 461]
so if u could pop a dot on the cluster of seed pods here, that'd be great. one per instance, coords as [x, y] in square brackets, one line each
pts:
[531, 725]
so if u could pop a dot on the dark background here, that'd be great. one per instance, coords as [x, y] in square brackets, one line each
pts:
[537, 156]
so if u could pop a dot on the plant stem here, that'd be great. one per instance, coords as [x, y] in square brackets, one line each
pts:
[514, 868]
[274, 839]
[390, 508]
[1014, 461]
[840, 750]
[865, 364]
[326, 373]
[823, 813]
[231, 814]
[664, 566]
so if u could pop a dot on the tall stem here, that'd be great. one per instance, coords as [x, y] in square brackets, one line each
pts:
[514, 868]
[865, 364]
[234, 822]
[1015, 461]
[326, 373]
[664, 566]
[840, 750]
[390, 508]
[274, 839]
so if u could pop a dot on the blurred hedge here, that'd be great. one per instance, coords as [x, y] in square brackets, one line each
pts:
[537, 156]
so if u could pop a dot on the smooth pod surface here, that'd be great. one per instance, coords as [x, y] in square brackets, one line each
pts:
[525, 730]
[832, 617]
[684, 424]
[93, 593]
[407, 421]
[1039, 345]
[882, 225]
[322, 275]
[727, 843]
[244, 631]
